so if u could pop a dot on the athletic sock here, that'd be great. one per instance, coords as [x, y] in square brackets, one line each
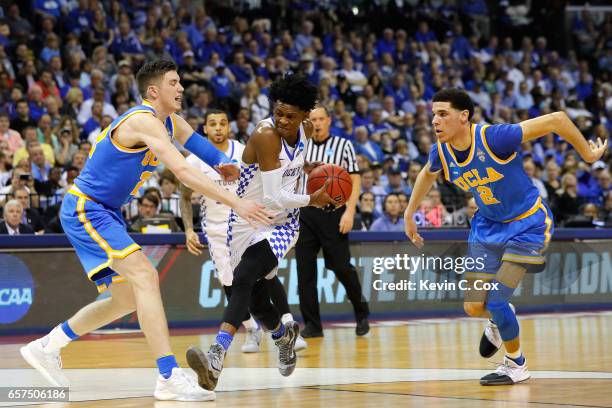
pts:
[165, 365]
[277, 334]
[517, 357]
[286, 318]
[58, 338]
[224, 339]
[250, 324]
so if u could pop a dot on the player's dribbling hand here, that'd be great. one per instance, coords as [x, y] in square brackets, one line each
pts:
[229, 171]
[597, 149]
[252, 212]
[412, 233]
[194, 246]
[321, 199]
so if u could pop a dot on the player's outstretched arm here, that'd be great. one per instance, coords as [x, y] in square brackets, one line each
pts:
[423, 184]
[562, 125]
[156, 138]
[204, 150]
[194, 246]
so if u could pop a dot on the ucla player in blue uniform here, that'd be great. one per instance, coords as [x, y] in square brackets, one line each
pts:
[512, 226]
[122, 159]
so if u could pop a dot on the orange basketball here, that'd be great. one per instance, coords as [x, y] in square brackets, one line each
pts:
[340, 186]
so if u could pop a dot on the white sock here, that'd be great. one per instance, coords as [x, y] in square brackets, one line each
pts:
[250, 324]
[286, 318]
[55, 340]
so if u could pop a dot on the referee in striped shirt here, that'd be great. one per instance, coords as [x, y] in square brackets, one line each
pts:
[329, 231]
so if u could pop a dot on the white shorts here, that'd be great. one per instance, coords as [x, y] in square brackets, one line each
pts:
[281, 238]
[220, 255]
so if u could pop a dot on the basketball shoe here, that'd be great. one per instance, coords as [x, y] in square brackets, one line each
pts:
[287, 357]
[207, 366]
[49, 365]
[507, 374]
[252, 341]
[180, 387]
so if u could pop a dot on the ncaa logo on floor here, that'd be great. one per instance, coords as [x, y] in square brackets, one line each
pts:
[16, 289]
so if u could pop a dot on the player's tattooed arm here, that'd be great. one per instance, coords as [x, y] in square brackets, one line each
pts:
[194, 246]
[561, 124]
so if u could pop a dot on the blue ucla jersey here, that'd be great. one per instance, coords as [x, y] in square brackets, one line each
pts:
[113, 173]
[501, 188]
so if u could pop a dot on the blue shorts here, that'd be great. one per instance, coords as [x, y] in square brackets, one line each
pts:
[98, 235]
[521, 240]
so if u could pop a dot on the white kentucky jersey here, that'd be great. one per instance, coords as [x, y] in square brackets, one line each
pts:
[214, 215]
[285, 227]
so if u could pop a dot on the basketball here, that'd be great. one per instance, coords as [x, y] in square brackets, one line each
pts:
[340, 186]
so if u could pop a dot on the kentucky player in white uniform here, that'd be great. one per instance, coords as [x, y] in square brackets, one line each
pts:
[214, 216]
[272, 164]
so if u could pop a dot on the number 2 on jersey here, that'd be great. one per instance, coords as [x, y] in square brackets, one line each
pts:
[486, 195]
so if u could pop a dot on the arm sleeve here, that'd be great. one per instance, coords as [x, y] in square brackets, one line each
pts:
[434, 159]
[274, 197]
[205, 151]
[504, 139]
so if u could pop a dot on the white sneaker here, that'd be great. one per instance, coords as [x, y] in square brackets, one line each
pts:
[180, 387]
[491, 340]
[252, 340]
[507, 374]
[300, 343]
[49, 365]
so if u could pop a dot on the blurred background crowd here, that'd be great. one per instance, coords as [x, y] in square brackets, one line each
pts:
[67, 70]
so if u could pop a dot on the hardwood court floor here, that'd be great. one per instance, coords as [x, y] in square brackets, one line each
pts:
[431, 363]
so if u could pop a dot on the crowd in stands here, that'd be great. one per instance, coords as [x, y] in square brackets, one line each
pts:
[67, 69]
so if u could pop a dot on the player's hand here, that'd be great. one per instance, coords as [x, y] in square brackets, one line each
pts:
[321, 199]
[310, 166]
[411, 231]
[596, 150]
[252, 212]
[193, 243]
[346, 221]
[229, 171]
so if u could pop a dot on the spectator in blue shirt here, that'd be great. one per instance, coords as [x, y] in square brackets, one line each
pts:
[424, 34]
[126, 43]
[242, 71]
[221, 83]
[391, 220]
[367, 147]
[48, 8]
[385, 45]
[398, 89]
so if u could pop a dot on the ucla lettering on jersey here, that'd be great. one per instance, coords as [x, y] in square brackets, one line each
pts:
[113, 173]
[501, 188]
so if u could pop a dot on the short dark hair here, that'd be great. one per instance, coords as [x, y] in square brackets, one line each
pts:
[152, 71]
[149, 197]
[214, 112]
[458, 99]
[295, 90]
[387, 199]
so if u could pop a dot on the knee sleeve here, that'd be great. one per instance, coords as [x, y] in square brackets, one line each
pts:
[256, 262]
[499, 306]
[261, 307]
[278, 295]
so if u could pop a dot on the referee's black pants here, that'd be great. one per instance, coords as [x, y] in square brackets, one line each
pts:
[319, 229]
